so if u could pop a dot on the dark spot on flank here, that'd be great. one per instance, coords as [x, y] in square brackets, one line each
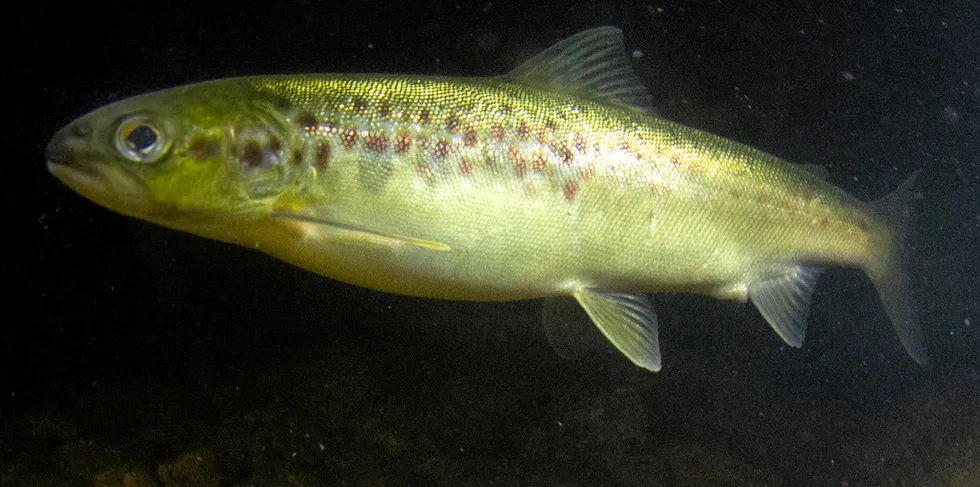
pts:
[349, 138]
[465, 167]
[571, 189]
[307, 121]
[587, 173]
[579, 143]
[403, 142]
[507, 108]
[824, 222]
[358, 105]
[204, 148]
[442, 148]
[252, 154]
[522, 131]
[565, 154]
[625, 145]
[297, 157]
[735, 194]
[274, 144]
[281, 103]
[384, 109]
[425, 116]
[542, 135]
[497, 132]
[377, 142]
[323, 155]
[549, 124]
[453, 123]
[470, 138]
[423, 141]
[520, 165]
[540, 163]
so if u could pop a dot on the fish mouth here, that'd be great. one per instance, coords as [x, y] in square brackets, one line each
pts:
[90, 173]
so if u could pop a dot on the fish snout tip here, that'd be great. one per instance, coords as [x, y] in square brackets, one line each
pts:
[62, 148]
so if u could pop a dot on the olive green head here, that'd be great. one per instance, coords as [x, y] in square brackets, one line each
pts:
[178, 156]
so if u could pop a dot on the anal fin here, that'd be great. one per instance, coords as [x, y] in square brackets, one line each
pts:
[783, 298]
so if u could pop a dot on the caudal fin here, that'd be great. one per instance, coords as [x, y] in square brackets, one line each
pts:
[890, 277]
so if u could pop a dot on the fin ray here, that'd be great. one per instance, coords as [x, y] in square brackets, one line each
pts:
[372, 234]
[628, 321]
[889, 276]
[591, 64]
[784, 300]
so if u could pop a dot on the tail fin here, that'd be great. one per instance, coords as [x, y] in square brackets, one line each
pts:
[890, 278]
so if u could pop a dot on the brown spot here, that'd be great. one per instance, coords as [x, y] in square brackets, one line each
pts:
[274, 144]
[358, 105]
[735, 194]
[442, 148]
[453, 123]
[425, 116]
[384, 109]
[470, 138]
[465, 167]
[571, 188]
[423, 142]
[377, 142]
[587, 173]
[349, 138]
[204, 148]
[520, 165]
[323, 155]
[403, 142]
[522, 131]
[540, 163]
[297, 157]
[824, 222]
[542, 135]
[566, 155]
[307, 121]
[497, 132]
[252, 154]
[579, 143]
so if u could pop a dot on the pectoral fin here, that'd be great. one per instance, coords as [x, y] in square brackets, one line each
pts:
[628, 321]
[364, 234]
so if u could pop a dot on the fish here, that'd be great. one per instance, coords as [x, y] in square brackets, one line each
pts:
[555, 181]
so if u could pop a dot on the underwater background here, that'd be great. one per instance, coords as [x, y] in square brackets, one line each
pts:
[136, 355]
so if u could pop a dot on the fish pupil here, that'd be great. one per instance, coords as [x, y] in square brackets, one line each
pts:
[141, 138]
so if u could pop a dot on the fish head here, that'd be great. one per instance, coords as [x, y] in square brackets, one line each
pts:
[180, 157]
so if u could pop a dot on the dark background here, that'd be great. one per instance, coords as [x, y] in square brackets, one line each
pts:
[149, 340]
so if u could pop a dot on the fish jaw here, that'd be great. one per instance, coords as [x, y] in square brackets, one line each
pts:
[91, 173]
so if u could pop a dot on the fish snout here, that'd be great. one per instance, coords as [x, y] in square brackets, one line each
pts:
[63, 149]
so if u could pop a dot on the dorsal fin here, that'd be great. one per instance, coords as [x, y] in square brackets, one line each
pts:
[591, 64]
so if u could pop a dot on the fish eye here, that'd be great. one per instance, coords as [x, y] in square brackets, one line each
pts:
[140, 140]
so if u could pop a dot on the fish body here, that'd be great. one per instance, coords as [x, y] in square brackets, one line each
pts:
[543, 183]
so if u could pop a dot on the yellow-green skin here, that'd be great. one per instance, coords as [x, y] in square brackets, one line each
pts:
[518, 193]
